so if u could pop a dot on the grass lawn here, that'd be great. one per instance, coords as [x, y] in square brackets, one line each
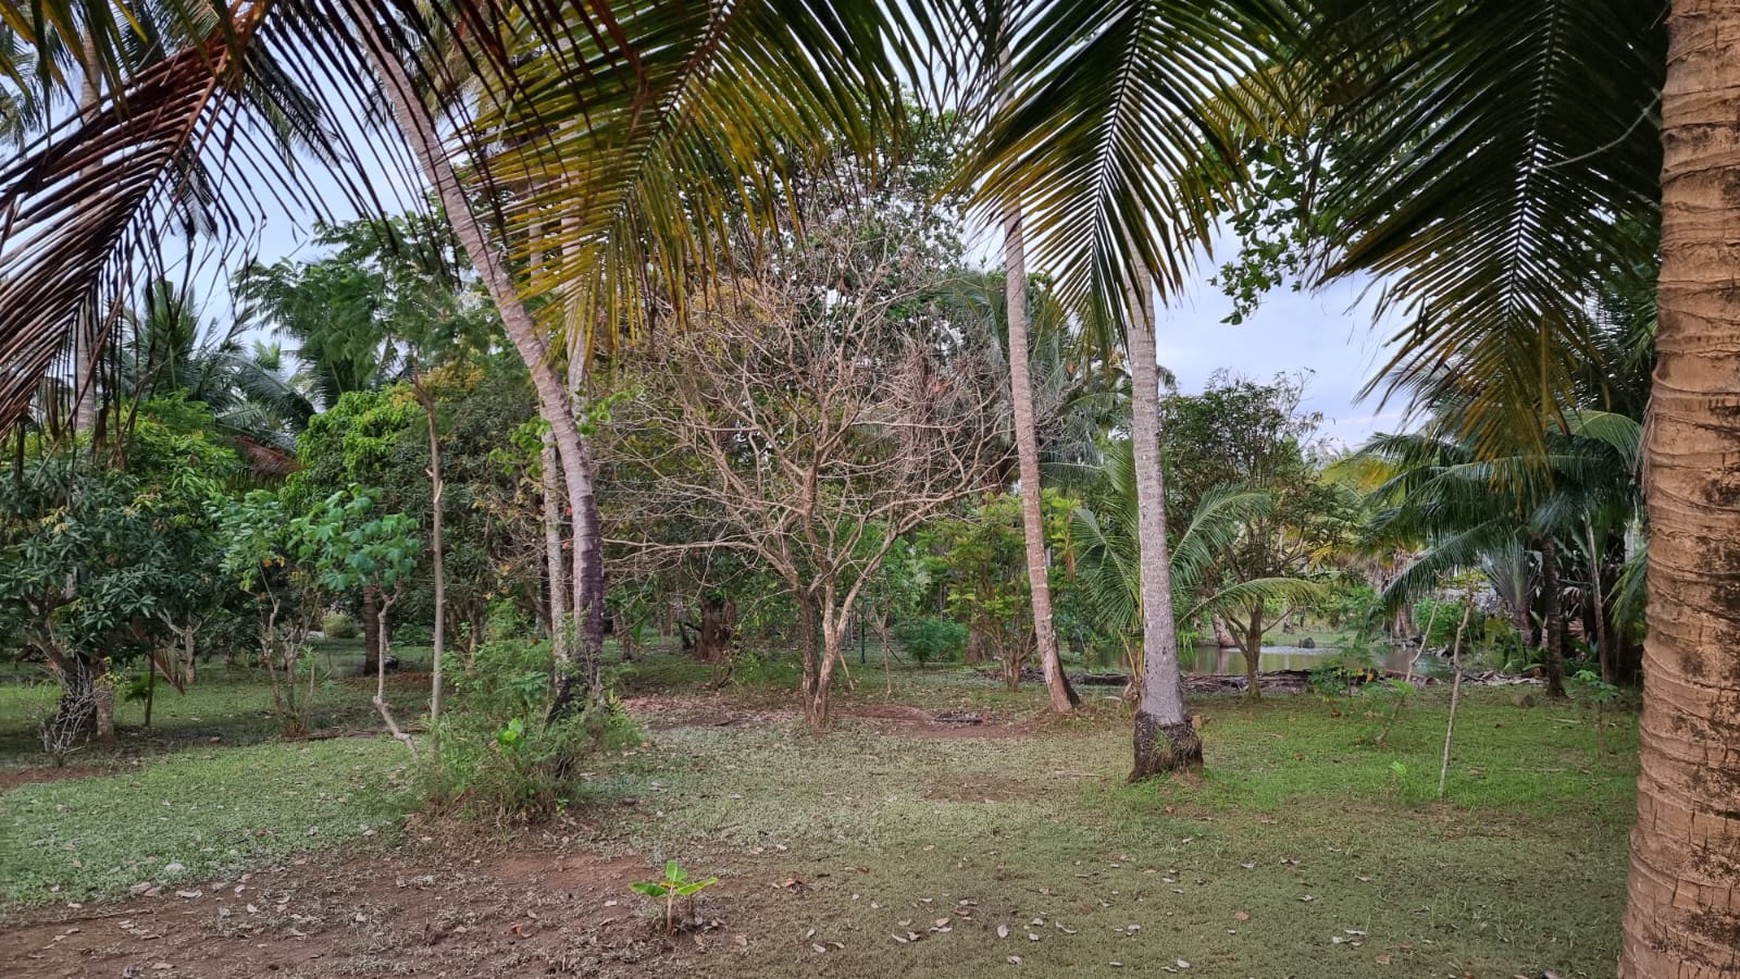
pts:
[1305, 849]
[233, 707]
[1309, 848]
[197, 815]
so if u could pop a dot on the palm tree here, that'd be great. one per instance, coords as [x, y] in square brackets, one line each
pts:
[1063, 697]
[1106, 114]
[329, 310]
[1108, 540]
[1497, 160]
[1165, 739]
[1508, 516]
[164, 351]
[1688, 827]
[594, 123]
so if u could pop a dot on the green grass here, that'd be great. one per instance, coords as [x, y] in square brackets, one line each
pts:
[1518, 870]
[232, 706]
[213, 812]
[1307, 827]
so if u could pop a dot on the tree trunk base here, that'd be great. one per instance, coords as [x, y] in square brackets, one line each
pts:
[1068, 688]
[103, 695]
[1163, 748]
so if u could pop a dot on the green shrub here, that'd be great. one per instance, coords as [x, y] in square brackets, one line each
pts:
[1438, 620]
[1340, 672]
[500, 758]
[932, 638]
[338, 625]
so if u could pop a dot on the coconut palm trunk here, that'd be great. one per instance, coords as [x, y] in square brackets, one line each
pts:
[85, 353]
[437, 551]
[556, 562]
[418, 128]
[1063, 697]
[1682, 914]
[1553, 628]
[1164, 738]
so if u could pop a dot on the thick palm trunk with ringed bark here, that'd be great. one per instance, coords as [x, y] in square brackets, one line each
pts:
[1682, 916]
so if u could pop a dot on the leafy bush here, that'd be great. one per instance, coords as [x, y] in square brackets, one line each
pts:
[413, 634]
[1358, 606]
[1341, 672]
[508, 678]
[932, 638]
[1438, 620]
[500, 757]
[338, 625]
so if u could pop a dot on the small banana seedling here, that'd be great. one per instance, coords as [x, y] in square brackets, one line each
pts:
[676, 884]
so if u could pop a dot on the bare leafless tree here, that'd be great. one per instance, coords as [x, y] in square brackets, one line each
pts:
[816, 407]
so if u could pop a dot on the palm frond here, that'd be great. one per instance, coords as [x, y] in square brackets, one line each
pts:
[1221, 514]
[81, 209]
[1107, 112]
[1494, 159]
[628, 156]
[1467, 548]
[1261, 591]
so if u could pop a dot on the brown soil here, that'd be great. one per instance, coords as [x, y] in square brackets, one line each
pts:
[12, 778]
[914, 722]
[428, 909]
[661, 713]
[984, 789]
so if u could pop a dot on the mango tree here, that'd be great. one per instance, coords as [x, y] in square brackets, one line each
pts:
[348, 546]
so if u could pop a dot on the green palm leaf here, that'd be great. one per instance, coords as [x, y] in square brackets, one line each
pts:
[1111, 110]
[1496, 159]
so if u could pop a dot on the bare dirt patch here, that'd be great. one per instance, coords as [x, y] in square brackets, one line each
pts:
[662, 713]
[913, 722]
[435, 908]
[983, 789]
[12, 778]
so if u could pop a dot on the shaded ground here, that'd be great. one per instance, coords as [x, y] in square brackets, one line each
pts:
[426, 909]
[228, 707]
[895, 845]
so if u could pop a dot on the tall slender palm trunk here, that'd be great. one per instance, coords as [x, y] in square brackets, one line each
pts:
[1682, 916]
[437, 551]
[1063, 697]
[418, 128]
[555, 561]
[1164, 738]
[85, 351]
[1597, 596]
[1553, 626]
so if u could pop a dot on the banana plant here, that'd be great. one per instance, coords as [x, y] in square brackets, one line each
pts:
[676, 884]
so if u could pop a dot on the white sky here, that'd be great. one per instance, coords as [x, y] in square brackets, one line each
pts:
[1332, 336]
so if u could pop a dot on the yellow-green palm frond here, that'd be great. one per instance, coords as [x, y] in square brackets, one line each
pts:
[1493, 160]
[1116, 132]
[628, 158]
